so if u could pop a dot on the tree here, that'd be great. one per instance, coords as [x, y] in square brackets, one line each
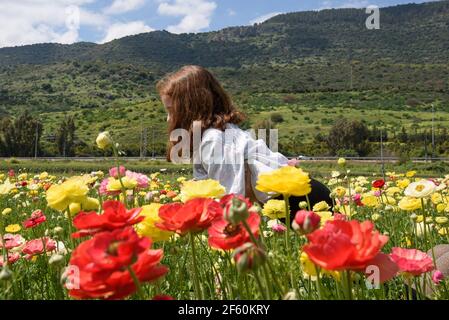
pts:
[20, 137]
[65, 137]
[348, 135]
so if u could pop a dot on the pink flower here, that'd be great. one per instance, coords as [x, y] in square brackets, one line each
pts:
[142, 180]
[104, 189]
[12, 241]
[412, 261]
[377, 193]
[11, 173]
[12, 257]
[36, 246]
[279, 228]
[437, 277]
[357, 198]
[293, 162]
[114, 172]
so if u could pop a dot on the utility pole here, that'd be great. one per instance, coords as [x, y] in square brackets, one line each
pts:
[36, 140]
[152, 143]
[382, 153]
[145, 142]
[433, 131]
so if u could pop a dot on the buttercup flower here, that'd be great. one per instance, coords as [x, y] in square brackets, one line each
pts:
[274, 209]
[104, 140]
[201, 189]
[409, 204]
[75, 189]
[148, 227]
[13, 228]
[412, 261]
[286, 180]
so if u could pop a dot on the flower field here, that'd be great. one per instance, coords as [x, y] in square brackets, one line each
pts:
[126, 235]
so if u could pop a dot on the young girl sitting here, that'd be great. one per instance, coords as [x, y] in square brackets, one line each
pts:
[226, 153]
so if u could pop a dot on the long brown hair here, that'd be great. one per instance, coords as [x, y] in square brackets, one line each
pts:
[197, 96]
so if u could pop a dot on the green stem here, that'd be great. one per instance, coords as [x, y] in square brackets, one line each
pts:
[136, 283]
[196, 281]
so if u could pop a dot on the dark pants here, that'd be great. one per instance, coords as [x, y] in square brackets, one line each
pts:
[319, 193]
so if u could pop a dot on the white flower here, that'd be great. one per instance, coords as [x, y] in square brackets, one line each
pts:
[420, 189]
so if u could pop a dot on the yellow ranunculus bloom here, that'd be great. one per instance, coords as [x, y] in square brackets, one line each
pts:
[201, 189]
[410, 174]
[148, 228]
[403, 183]
[43, 175]
[325, 216]
[340, 191]
[104, 140]
[6, 187]
[436, 198]
[6, 211]
[74, 208]
[90, 204]
[409, 204]
[441, 207]
[370, 200]
[13, 228]
[321, 206]
[116, 185]
[392, 191]
[274, 209]
[441, 220]
[341, 161]
[288, 181]
[59, 197]
[309, 268]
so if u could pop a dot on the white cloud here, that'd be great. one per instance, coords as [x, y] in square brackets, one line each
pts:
[231, 12]
[37, 21]
[122, 6]
[120, 30]
[265, 17]
[328, 4]
[196, 14]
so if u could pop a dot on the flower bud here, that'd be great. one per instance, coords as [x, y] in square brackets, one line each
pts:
[248, 257]
[303, 205]
[341, 162]
[56, 259]
[437, 277]
[5, 274]
[306, 222]
[236, 212]
[104, 140]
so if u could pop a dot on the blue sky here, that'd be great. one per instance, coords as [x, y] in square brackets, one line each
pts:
[67, 21]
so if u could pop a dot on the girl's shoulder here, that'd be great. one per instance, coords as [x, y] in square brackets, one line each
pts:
[213, 134]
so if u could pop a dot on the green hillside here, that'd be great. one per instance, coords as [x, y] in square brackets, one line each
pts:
[309, 67]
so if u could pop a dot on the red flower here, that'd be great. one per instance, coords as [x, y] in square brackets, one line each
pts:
[194, 216]
[163, 297]
[37, 217]
[12, 257]
[36, 246]
[115, 216]
[306, 222]
[344, 245]
[103, 264]
[379, 183]
[412, 261]
[24, 183]
[225, 236]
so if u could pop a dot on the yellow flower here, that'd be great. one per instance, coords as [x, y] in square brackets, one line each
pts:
[441, 207]
[410, 174]
[341, 162]
[274, 209]
[13, 228]
[6, 211]
[201, 189]
[321, 206]
[325, 216]
[436, 198]
[441, 220]
[90, 204]
[22, 176]
[116, 185]
[375, 216]
[104, 140]
[288, 181]
[60, 196]
[147, 227]
[443, 231]
[43, 175]
[392, 191]
[370, 201]
[309, 268]
[181, 179]
[74, 208]
[340, 191]
[409, 204]
[6, 187]
[403, 183]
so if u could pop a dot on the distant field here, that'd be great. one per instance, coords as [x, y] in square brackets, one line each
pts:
[321, 169]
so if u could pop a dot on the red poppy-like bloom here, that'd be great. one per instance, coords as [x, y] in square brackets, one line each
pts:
[379, 183]
[226, 236]
[37, 217]
[115, 216]
[342, 245]
[36, 246]
[412, 261]
[12, 257]
[163, 297]
[12, 241]
[103, 265]
[194, 216]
